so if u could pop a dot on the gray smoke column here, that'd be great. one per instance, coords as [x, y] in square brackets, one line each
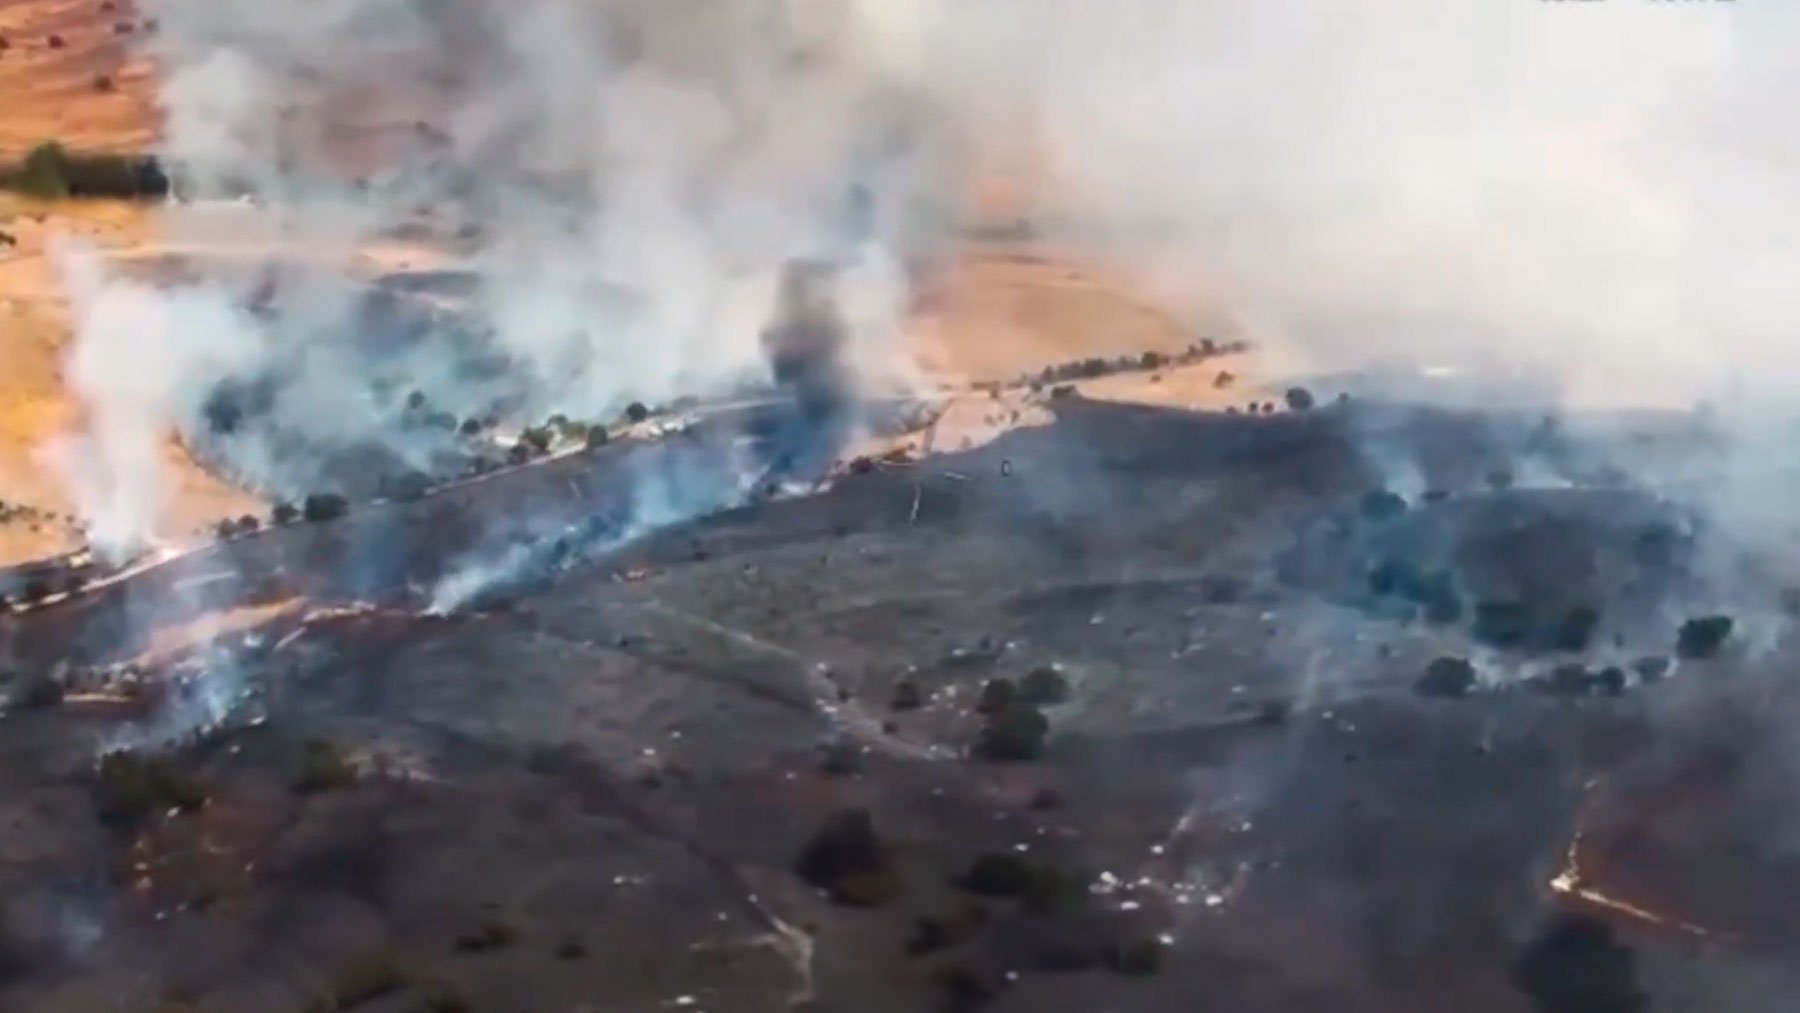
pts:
[613, 189]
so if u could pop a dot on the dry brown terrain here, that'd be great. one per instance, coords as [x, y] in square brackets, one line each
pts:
[70, 72]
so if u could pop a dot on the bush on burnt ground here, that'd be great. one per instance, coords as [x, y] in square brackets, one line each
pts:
[405, 487]
[1044, 686]
[1579, 680]
[1136, 958]
[322, 766]
[1446, 678]
[1703, 637]
[130, 787]
[1578, 966]
[51, 172]
[996, 696]
[1299, 399]
[1382, 505]
[998, 874]
[907, 696]
[848, 862]
[1503, 623]
[1651, 668]
[1015, 734]
[1575, 631]
[1434, 591]
[492, 934]
[324, 506]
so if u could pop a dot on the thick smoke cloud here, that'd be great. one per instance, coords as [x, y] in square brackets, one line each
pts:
[612, 190]
[1600, 191]
[1592, 196]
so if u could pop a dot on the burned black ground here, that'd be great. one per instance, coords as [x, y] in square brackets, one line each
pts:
[599, 786]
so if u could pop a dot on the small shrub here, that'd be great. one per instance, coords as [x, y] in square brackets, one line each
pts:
[996, 696]
[470, 427]
[1447, 678]
[596, 437]
[1299, 399]
[636, 412]
[1382, 505]
[1651, 668]
[43, 173]
[1044, 686]
[907, 696]
[1576, 629]
[847, 861]
[1502, 623]
[130, 787]
[537, 438]
[283, 513]
[1703, 637]
[324, 506]
[1137, 958]
[1014, 735]
[998, 874]
[322, 767]
[492, 934]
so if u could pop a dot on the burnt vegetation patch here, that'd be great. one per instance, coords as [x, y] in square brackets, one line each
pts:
[129, 788]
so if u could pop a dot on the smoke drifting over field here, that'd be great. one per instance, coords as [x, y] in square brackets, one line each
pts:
[1589, 195]
[1598, 192]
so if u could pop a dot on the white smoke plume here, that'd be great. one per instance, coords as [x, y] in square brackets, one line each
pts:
[611, 191]
[1596, 194]
[1601, 191]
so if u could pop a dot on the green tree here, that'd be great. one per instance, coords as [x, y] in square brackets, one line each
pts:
[44, 172]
